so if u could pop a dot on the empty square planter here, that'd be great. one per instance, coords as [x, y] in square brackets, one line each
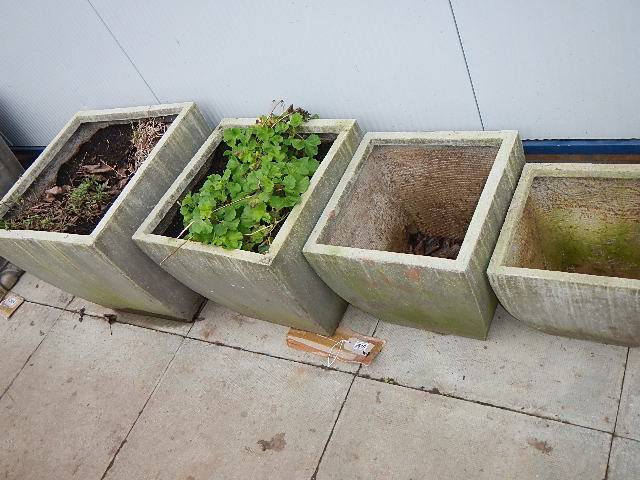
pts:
[451, 189]
[278, 286]
[104, 265]
[568, 258]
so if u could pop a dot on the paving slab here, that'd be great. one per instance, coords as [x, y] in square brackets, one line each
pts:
[516, 367]
[145, 321]
[228, 327]
[224, 413]
[628, 424]
[624, 462]
[68, 411]
[388, 431]
[20, 335]
[33, 289]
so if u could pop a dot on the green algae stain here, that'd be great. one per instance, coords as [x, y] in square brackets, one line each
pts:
[404, 302]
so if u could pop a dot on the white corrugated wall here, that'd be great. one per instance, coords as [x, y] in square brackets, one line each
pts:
[551, 69]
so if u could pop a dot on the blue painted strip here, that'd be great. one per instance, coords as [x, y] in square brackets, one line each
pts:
[582, 147]
[531, 147]
[34, 150]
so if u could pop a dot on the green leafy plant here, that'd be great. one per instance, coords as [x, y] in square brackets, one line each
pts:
[87, 198]
[269, 167]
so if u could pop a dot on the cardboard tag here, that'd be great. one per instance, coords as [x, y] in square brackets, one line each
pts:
[10, 304]
[345, 345]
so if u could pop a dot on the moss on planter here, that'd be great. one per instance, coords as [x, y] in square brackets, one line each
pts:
[580, 229]
[609, 250]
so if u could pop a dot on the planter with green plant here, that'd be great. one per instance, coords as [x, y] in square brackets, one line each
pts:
[69, 219]
[233, 224]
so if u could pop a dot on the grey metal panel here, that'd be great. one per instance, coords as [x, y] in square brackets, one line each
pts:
[561, 69]
[57, 58]
[393, 66]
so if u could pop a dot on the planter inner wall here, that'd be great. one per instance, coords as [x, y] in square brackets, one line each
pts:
[432, 188]
[580, 225]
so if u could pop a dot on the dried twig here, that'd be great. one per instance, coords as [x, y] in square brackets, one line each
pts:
[145, 136]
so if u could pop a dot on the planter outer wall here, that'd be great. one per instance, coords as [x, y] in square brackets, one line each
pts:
[106, 267]
[591, 307]
[279, 286]
[441, 295]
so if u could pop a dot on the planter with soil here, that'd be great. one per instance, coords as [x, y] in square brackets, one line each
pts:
[568, 258]
[410, 228]
[69, 219]
[266, 277]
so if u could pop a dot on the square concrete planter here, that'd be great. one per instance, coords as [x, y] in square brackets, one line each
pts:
[278, 286]
[105, 266]
[10, 168]
[446, 184]
[568, 258]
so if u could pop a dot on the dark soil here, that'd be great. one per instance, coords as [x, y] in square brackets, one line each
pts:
[90, 181]
[419, 243]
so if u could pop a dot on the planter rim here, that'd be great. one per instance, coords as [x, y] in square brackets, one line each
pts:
[516, 210]
[505, 139]
[79, 118]
[144, 232]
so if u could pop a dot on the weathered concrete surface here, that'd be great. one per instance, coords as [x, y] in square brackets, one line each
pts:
[517, 368]
[624, 463]
[145, 321]
[67, 412]
[628, 424]
[223, 413]
[35, 290]
[110, 372]
[590, 287]
[20, 335]
[443, 295]
[386, 431]
[10, 168]
[106, 267]
[221, 325]
[278, 286]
